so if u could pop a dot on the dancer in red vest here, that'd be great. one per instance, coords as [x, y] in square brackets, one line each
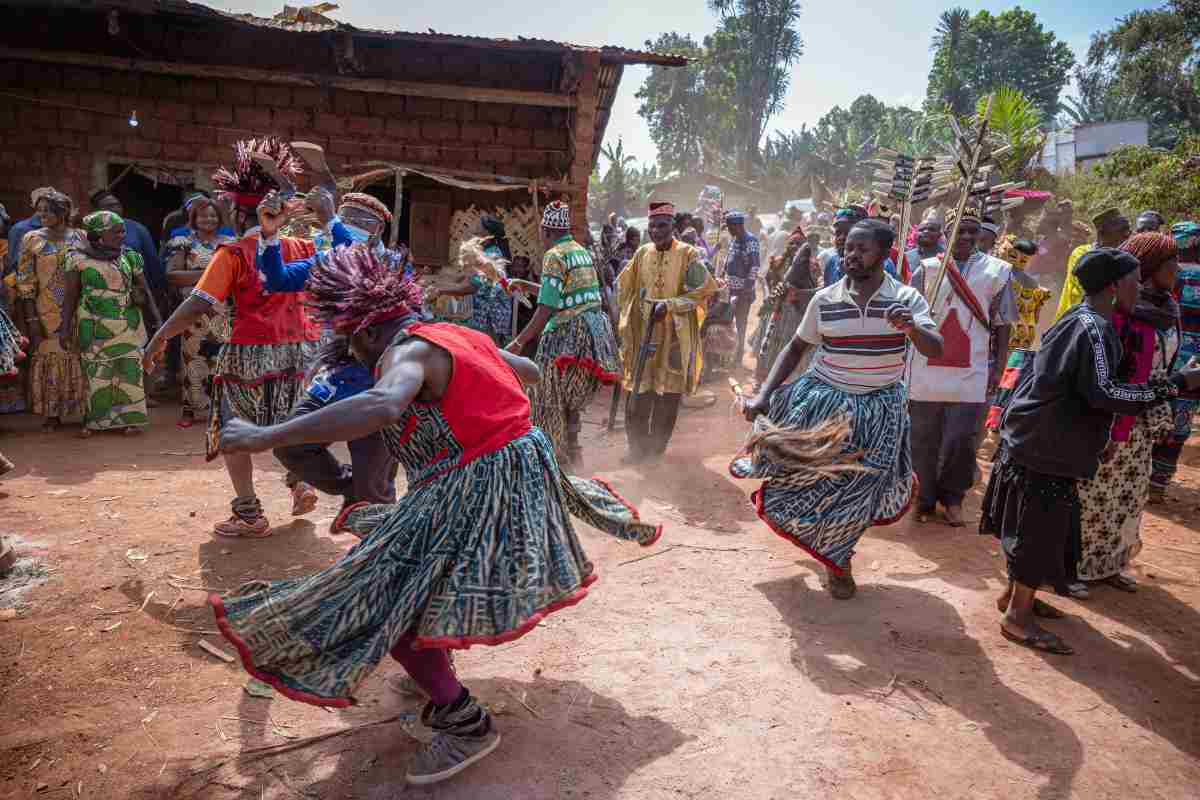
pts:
[260, 372]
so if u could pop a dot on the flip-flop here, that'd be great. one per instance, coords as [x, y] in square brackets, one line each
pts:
[1045, 641]
[185, 422]
[1122, 582]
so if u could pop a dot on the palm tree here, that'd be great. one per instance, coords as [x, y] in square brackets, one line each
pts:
[616, 181]
[949, 39]
[1016, 121]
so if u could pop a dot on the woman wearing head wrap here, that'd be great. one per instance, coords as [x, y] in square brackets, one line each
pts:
[1187, 290]
[1030, 298]
[56, 384]
[1113, 500]
[1052, 436]
[259, 374]
[478, 551]
[104, 281]
[187, 255]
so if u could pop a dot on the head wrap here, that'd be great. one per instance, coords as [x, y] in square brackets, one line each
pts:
[990, 227]
[1106, 217]
[1186, 235]
[352, 288]
[1016, 252]
[1151, 216]
[39, 193]
[735, 218]
[1101, 267]
[247, 182]
[1155, 306]
[193, 199]
[557, 216]
[662, 209]
[98, 222]
[493, 225]
[1152, 250]
[60, 205]
[851, 214]
[366, 202]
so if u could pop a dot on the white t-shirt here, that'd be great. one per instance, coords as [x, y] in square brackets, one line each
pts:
[858, 351]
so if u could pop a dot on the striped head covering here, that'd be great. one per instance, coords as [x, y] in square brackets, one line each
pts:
[1152, 250]
[850, 213]
[661, 209]
[367, 203]
[98, 222]
[968, 213]
[557, 216]
[1186, 235]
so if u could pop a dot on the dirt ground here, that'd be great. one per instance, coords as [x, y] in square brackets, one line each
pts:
[711, 665]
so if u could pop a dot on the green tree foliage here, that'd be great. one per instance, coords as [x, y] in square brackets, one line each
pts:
[688, 110]
[1016, 122]
[975, 55]
[616, 186]
[758, 41]
[1135, 178]
[1148, 65]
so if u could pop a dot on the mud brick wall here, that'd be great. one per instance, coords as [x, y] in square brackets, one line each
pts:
[81, 126]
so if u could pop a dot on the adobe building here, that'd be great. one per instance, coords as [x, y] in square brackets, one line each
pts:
[147, 97]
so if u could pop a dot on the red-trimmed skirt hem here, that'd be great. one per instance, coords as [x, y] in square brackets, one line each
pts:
[758, 500]
[589, 364]
[464, 642]
[658, 531]
[419, 643]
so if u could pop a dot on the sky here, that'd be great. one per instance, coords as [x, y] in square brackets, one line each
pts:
[880, 47]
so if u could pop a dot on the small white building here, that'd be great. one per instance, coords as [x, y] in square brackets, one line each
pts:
[1081, 146]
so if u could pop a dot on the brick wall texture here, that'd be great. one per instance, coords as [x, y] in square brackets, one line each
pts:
[83, 118]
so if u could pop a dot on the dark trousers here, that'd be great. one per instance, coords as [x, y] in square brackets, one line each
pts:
[945, 438]
[741, 315]
[650, 421]
[370, 476]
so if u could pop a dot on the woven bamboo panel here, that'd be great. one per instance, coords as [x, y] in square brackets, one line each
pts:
[521, 223]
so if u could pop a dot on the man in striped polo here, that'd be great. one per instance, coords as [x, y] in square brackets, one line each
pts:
[861, 326]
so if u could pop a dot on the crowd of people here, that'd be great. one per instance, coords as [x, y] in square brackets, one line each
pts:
[880, 364]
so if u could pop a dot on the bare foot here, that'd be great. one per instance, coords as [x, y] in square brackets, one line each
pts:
[954, 516]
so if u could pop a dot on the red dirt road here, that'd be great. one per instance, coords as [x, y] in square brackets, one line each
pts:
[712, 665]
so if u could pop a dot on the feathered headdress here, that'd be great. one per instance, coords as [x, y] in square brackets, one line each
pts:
[247, 182]
[352, 288]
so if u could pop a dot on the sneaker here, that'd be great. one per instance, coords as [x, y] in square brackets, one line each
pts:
[304, 499]
[236, 527]
[464, 734]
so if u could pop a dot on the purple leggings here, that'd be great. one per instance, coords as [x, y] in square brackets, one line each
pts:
[430, 668]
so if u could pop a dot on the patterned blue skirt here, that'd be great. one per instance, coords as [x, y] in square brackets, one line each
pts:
[477, 555]
[827, 516]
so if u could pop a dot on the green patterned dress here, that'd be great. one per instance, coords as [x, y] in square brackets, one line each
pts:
[111, 339]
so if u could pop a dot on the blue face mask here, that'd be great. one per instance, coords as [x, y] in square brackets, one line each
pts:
[357, 234]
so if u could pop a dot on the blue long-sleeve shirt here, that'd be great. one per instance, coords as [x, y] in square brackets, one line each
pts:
[137, 237]
[291, 277]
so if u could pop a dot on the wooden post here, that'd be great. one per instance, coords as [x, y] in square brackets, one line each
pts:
[587, 101]
[397, 204]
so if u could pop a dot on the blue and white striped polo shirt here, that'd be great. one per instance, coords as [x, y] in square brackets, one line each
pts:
[858, 351]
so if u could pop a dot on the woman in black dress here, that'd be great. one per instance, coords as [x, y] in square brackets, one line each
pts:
[1052, 435]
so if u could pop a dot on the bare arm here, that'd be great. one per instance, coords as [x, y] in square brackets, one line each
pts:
[533, 330]
[526, 370]
[151, 306]
[73, 288]
[190, 310]
[404, 369]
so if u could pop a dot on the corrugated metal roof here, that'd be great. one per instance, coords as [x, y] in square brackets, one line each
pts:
[621, 55]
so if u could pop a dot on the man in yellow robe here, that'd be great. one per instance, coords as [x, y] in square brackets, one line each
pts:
[1112, 228]
[666, 280]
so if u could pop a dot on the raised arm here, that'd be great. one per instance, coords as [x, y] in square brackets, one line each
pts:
[1094, 377]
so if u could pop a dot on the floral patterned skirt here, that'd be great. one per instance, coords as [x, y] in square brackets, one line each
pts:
[200, 346]
[1111, 507]
[57, 387]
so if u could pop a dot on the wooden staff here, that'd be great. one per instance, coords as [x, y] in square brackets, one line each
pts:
[968, 183]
